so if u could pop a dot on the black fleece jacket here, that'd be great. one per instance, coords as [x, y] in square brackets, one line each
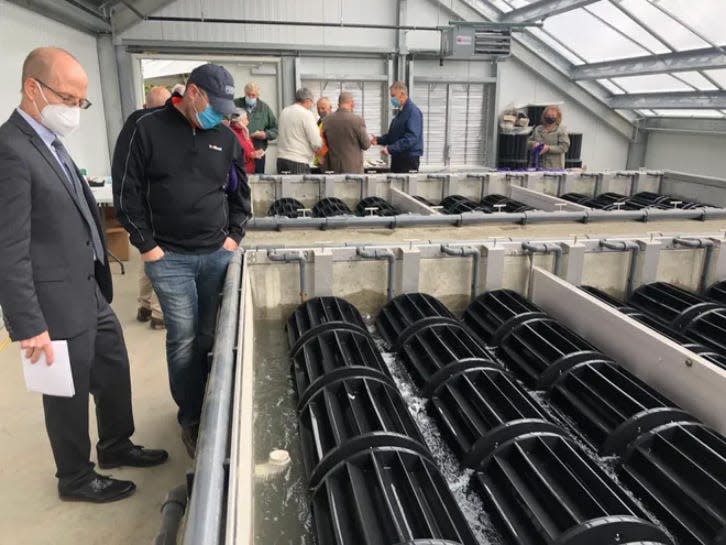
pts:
[170, 183]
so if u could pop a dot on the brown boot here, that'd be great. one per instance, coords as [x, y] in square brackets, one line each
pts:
[144, 314]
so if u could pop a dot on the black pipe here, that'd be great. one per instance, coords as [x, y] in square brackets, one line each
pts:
[541, 488]
[612, 406]
[334, 354]
[678, 471]
[398, 317]
[172, 511]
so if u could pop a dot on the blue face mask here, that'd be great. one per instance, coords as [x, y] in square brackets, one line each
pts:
[208, 118]
[251, 102]
[395, 102]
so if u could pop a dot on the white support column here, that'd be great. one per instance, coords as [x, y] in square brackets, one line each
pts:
[575, 263]
[322, 272]
[649, 257]
[494, 268]
[410, 270]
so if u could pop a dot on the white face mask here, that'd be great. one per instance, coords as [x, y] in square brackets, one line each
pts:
[59, 118]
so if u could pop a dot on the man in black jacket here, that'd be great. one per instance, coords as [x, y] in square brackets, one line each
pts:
[181, 192]
[55, 282]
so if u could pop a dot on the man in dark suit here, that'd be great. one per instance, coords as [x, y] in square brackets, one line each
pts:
[55, 282]
[346, 136]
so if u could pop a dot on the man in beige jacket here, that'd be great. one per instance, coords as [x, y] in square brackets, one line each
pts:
[346, 136]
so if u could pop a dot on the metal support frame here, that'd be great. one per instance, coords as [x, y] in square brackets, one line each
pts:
[206, 505]
[706, 59]
[390, 257]
[662, 101]
[69, 13]
[705, 243]
[543, 9]
[467, 251]
[625, 245]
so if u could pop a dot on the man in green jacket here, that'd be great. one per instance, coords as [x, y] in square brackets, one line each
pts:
[262, 125]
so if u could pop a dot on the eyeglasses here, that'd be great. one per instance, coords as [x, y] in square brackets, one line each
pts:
[70, 100]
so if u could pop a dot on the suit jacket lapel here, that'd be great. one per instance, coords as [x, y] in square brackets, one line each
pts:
[37, 141]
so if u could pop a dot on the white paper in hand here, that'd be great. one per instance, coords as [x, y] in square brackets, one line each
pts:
[54, 380]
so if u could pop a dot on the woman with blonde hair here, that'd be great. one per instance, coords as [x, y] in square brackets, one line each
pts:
[550, 140]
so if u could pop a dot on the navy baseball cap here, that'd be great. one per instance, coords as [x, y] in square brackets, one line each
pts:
[218, 84]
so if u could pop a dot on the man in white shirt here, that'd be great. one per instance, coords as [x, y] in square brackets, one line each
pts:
[299, 136]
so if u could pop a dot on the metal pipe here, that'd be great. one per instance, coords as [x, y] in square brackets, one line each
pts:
[293, 257]
[545, 248]
[467, 251]
[172, 511]
[221, 20]
[206, 505]
[625, 245]
[389, 256]
[480, 218]
[705, 243]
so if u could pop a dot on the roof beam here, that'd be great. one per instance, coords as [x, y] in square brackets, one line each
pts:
[697, 59]
[708, 100]
[69, 14]
[129, 12]
[543, 9]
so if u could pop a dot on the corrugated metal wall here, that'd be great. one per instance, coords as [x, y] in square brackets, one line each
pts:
[371, 11]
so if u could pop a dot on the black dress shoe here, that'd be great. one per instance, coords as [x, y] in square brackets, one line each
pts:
[100, 489]
[143, 314]
[136, 456]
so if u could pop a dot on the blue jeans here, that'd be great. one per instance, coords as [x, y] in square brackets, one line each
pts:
[188, 287]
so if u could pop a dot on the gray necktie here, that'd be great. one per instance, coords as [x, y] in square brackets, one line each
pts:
[75, 183]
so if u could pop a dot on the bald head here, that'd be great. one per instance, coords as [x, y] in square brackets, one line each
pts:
[51, 76]
[324, 107]
[156, 96]
[48, 63]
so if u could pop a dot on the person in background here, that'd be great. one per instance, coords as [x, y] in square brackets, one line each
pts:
[347, 137]
[180, 190]
[551, 139]
[238, 125]
[262, 122]
[299, 137]
[404, 140]
[55, 280]
[149, 308]
[324, 108]
[178, 89]
[156, 96]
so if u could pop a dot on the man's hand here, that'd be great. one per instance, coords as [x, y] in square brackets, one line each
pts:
[155, 254]
[374, 141]
[385, 151]
[229, 244]
[258, 154]
[35, 346]
[544, 150]
[259, 135]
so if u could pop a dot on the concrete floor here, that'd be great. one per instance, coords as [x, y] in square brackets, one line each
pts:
[30, 511]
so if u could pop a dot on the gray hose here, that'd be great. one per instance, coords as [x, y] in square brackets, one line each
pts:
[467, 251]
[705, 243]
[625, 245]
[389, 256]
[172, 511]
[545, 248]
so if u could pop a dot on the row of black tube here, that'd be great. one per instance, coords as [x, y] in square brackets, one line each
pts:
[372, 478]
[697, 323]
[644, 199]
[536, 482]
[332, 206]
[453, 204]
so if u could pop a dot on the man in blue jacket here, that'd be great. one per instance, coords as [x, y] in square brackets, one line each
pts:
[404, 140]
